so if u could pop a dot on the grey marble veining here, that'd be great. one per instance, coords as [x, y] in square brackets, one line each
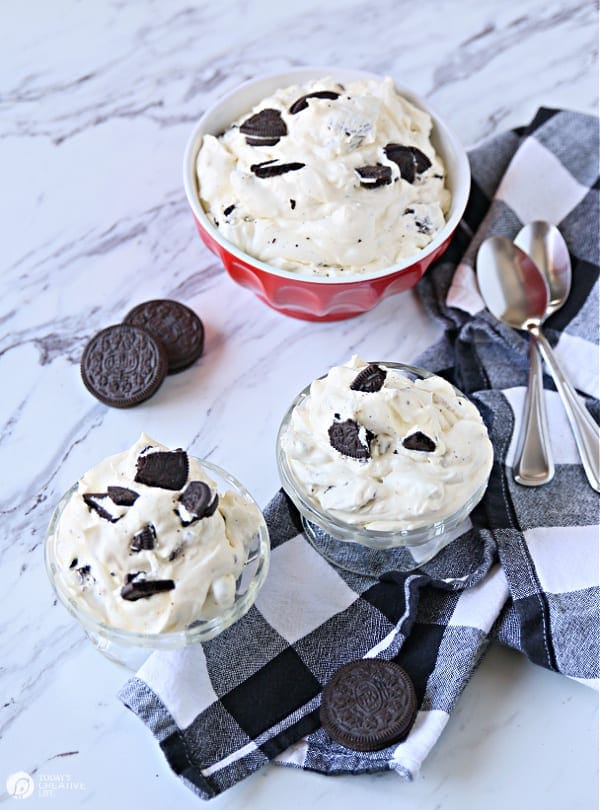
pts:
[96, 104]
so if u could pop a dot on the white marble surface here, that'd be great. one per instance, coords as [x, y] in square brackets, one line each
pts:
[96, 103]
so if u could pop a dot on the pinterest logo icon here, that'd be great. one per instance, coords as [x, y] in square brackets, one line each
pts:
[19, 785]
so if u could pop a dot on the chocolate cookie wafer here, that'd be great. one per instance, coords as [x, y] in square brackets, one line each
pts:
[175, 325]
[368, 704]
[123, 365]
[349, 439]
[265, 128]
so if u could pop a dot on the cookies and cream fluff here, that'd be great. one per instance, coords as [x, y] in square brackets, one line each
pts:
[326, 179]
[147, 544]
[373, 448]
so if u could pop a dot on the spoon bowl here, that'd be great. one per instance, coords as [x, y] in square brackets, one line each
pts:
[512, 287]
[546, 247]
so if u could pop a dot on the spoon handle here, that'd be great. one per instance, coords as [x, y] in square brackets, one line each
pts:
[585, 429]
[533, 463]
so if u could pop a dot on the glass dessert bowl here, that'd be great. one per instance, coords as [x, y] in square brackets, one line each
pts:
[131, 647]
[359, 540]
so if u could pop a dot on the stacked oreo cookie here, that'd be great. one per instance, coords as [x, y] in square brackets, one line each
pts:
[126, 363]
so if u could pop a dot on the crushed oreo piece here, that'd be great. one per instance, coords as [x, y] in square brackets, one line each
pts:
[369, 380]
[144, 539]
[85, 574]
[199, 501]
[135, 589]
[262, 141]
[93, 501]
[345, 438]
[121, 496]
[302, 102]
[402, 157]
[374, 176]
[292, 204]
[267, 169]
[175, 553]
[422, 162]
[74, 562]
[167, 470]
[267, 123]
[419, 441]
[265, 128]
[410, 160]
[228, 210]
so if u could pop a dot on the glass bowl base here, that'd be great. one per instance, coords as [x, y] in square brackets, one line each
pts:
[373, 562]
[126, 655]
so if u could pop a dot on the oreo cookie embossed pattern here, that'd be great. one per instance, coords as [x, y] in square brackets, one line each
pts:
[368, 705]
[123, 365]
[177, 326]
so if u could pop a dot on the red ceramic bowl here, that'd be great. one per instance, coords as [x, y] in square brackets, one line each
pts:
[301, 295]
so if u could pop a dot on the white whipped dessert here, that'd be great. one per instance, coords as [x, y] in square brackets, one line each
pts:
[373, 448]
[147, 544]
[326, 179]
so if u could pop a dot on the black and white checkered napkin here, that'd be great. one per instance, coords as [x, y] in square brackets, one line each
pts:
[524, 568]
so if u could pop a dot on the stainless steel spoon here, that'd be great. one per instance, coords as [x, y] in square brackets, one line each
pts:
[545, 245]
[517, 293]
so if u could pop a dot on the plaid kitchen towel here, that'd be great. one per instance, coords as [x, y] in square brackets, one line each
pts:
[523, 568]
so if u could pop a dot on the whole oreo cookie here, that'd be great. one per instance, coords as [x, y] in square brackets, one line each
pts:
[123, 365]
[368, 705]
[179, 329]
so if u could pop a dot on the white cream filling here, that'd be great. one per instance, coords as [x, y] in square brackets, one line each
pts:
[320, 220]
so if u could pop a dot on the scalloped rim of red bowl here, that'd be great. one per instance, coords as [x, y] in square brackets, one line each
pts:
[241, 100]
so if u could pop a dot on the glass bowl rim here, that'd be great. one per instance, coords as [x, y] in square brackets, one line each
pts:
[203, 629]
[380, 539]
